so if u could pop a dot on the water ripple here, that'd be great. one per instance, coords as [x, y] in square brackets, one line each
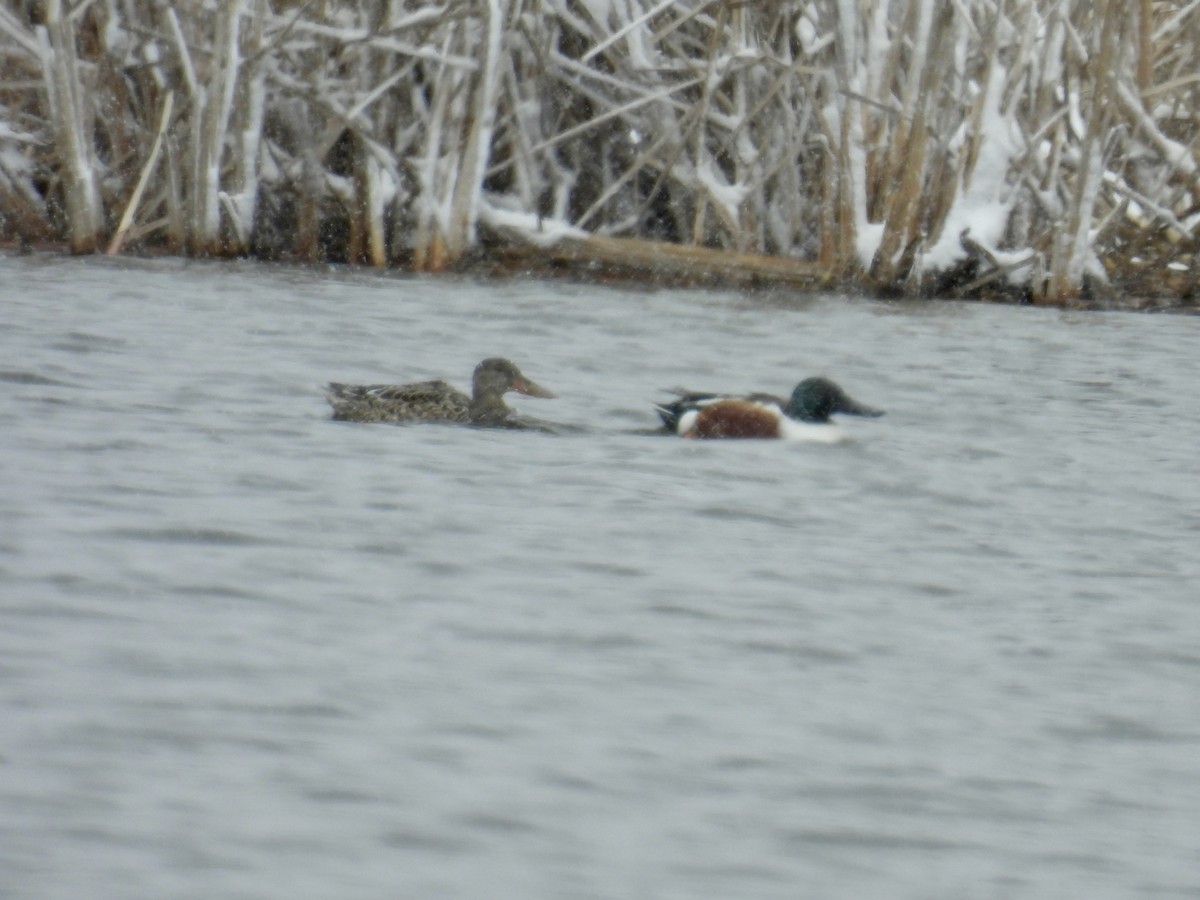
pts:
[251, 651]
[20, 377]
[182, 535]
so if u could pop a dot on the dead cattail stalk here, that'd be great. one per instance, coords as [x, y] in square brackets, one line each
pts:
[1071, 250]
[906, 164]
[118, 238]
[71, 113]
[476, 137]
[212, 104]
[823, 129]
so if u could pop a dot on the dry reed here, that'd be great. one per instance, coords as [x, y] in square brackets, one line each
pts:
[1045, 148]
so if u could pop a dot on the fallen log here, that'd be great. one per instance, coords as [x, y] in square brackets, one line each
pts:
[655, 262]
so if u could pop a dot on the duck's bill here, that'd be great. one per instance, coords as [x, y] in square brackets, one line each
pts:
[530, 389]
[852, 407]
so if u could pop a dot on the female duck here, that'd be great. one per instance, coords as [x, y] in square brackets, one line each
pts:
[804, 416]
[436, 401]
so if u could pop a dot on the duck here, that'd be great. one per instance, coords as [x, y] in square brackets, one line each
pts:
[804, 416]
[437, 401]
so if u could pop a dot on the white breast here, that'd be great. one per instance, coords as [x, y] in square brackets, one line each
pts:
[791, 430]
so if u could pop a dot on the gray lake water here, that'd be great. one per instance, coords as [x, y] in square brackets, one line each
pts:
[248, 652]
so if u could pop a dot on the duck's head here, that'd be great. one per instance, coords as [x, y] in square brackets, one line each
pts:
[496, 376]
[816, 399]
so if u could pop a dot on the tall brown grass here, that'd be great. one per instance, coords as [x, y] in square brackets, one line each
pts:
[1049, 145]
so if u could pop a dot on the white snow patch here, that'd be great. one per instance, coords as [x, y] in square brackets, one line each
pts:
[868, 236]
[631, 27]
[15, 168]
[8, 133]
[983, 204]
[728, 196]
[806, 34]
[539, 231]
[599, 10]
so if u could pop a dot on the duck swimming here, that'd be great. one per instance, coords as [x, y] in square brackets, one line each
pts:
[803, 416]
[437, 401]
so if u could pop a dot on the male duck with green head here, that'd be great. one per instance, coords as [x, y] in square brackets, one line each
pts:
[804, 416]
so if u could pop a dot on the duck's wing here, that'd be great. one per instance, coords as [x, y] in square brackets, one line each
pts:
[766, 400]
[687, 401]
[683, 395]
[421, 401]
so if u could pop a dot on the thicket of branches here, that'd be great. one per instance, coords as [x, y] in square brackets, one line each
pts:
[899, 144]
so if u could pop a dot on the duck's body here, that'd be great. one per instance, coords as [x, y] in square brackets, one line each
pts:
[805, 416]
[421, 401]
[437, 401]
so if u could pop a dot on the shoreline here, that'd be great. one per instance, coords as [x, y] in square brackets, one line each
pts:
[636, 263]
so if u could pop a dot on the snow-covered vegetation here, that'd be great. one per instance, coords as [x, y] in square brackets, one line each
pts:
[1044, 146]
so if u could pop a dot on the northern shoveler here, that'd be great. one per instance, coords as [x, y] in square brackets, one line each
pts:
[804, 416]
[436, 401]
